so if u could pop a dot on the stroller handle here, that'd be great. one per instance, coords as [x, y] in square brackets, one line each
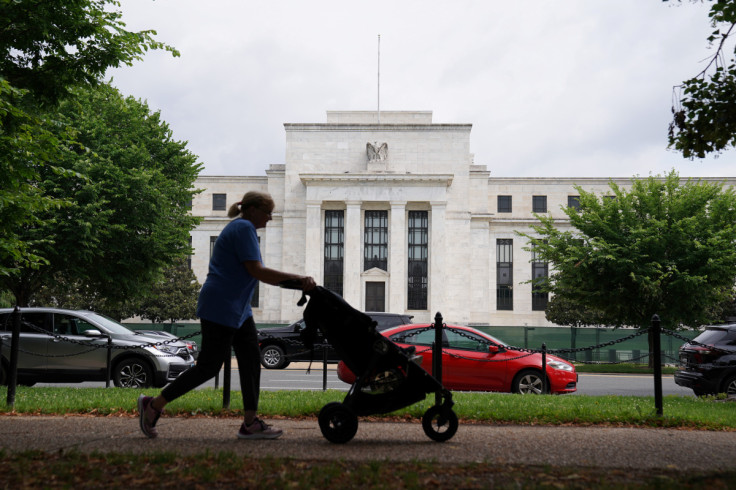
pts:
[295, 284]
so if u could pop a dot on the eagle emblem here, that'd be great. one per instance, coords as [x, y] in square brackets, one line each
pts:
[376, 152]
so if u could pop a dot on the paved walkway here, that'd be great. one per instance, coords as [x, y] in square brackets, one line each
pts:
[557, 446]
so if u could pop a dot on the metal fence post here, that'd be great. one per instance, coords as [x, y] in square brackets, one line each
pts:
[437, 354]
[13, 370]
[544, 368]
[657, 364]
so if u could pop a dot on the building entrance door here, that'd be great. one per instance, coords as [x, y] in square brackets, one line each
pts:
[375, 296]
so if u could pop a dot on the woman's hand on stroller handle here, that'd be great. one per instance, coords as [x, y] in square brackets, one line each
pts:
[305, 283]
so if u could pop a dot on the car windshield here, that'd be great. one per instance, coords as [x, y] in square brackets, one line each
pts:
[111, 325]
[711, 336]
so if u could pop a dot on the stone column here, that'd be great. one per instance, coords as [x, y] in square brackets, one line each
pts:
[480, 290]
[314, 252]
[352, 258]
[272, 255]
[437, 260]
[397, 259]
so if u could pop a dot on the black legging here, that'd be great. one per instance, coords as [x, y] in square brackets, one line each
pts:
[216, 342]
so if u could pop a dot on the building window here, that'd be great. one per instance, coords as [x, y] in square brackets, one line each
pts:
[573, 202]
[504, 204]
[219, 202]
[375, 296]
[375, 241]
[504, 274]
[334, 250]
[539, 204]
[213, 239]
[418, 253]
[539, 275]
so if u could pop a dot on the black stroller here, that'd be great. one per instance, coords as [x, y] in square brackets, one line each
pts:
[387, 378]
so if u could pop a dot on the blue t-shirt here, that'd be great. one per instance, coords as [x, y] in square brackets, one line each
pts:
[227, 291]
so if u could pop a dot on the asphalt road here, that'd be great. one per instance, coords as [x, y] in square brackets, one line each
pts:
[295, 377]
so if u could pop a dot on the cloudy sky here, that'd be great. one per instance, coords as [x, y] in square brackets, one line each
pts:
[551, 87]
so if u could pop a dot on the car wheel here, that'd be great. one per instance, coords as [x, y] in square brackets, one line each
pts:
[528, 382]
[729, 387]
[338, 423]
[439, 423]
[273, 357]
[133, 373]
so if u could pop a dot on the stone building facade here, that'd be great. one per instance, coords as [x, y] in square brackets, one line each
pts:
[396, 217]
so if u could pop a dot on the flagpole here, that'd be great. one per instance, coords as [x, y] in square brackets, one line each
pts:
[379, 79]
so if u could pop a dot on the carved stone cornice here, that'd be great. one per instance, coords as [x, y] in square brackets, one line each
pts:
[363, 179]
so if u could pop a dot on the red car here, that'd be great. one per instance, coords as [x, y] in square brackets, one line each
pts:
[475, 361]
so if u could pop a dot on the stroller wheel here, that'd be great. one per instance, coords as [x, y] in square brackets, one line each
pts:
[439, 424]
[338, 423]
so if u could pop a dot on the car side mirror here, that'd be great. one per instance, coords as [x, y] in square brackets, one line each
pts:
[493, 349]
[92, 333]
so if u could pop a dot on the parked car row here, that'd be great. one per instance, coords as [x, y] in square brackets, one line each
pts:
[58, 345]
[69, 346]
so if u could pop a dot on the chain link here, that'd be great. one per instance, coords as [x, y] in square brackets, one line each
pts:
[529, 352]
[399, 339]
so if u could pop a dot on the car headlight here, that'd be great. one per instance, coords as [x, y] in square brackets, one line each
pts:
[168, 349]
[562, 366]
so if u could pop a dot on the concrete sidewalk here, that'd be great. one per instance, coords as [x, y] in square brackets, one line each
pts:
[600, 447]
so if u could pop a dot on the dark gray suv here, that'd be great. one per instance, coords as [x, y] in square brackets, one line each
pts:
[281, 345]
[708, 363]
[69, 346]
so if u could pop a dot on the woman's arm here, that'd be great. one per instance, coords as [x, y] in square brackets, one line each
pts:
[271, 276]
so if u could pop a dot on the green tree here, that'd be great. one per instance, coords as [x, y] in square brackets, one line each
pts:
[563, 311]
[60, 292]
[46, 49]
[704, 113]
[173, 297]
[128, 201]
[663, 247]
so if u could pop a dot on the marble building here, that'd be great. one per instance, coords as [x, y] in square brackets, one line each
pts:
[396, 216]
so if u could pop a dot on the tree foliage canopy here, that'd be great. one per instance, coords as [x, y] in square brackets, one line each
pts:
[704, 112]
[46, 49]
[173, 297]
[128, 195]
[663, 247]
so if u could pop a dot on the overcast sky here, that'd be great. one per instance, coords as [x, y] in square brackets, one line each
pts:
[551, 87]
